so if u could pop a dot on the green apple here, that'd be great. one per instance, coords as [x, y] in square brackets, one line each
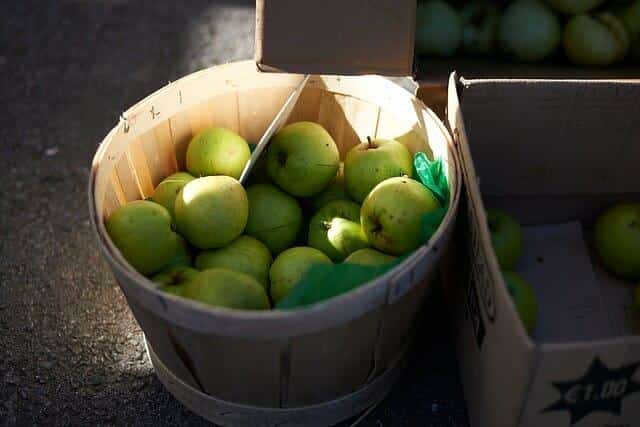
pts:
[369, 163]
[335, 229]
[142, 232]
[217, 151]
[368, 256]
[630, 17]
[391, 215]
[617, 240]
[506, 238]
[212, 211]
[172, 279]
[438, 28]
[529, 30]
[289, 267]
[600, 39]
[634, 51]
[275, 218]
[523, 298]
[302, 158]
[480, 22]
[574, 7]
[245, 255]
[335, 190]
[227, 288]
[167, 191]
[181, 255]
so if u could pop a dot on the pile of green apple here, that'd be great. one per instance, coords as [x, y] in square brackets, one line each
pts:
[204, 236]
[616, 239]
[507, 242]
[592, 32]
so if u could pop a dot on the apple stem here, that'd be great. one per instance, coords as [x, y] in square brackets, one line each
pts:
[369, 142]
[327, 224]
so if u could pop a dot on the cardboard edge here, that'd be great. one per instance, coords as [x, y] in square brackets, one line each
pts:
[469, 176]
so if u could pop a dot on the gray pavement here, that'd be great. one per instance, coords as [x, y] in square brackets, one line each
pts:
[70, 351]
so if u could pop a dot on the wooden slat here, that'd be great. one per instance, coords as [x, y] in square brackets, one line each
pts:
[181, 136]
[127, 179]
[361, 120]
[199, 117]
[138, 162]
[166, 148]
[158, 332]
[233, 369]
[117, 189]
[331, 117]
[223, 111]
[308, 106]
[404, 131]
[257, 108]
[152, 153]
[333, 362]
[111, 202]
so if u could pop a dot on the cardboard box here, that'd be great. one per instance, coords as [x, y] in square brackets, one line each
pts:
[336, 36]
[554, 154]
[377, 37]
[552, 150]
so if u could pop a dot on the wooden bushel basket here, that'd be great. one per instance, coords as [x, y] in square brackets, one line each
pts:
[312, 366]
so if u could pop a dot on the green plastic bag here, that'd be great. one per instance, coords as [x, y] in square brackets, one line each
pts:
[322, 282]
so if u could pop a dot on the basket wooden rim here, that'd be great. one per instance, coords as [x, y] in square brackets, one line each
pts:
[271, 323]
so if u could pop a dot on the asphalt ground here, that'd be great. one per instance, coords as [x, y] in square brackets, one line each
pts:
[71, 353]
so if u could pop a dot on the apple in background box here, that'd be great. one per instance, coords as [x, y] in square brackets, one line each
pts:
[302, 158]
[600, 39]
[574, 7]
[438, 28]
[368, 256]
[480, 20]
[634, 51]
[524, 299]
[335, 190]
[217, 151]
[369, 163]
[142, 232]
[391, 215]
[630, 17]
[275, 218]
[335, 229]
[289, 267]
[529, 30]
[245, 255]
[506, 238]
[617, 240]
[211, 211]
[167, 191]
[227, 288]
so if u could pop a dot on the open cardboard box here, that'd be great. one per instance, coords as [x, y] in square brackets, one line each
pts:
[555, 154]
[554, 148]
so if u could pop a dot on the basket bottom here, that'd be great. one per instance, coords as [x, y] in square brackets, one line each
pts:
[328, 413]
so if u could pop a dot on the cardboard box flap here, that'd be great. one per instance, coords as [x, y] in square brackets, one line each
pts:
[336, 37]
[566, 113]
